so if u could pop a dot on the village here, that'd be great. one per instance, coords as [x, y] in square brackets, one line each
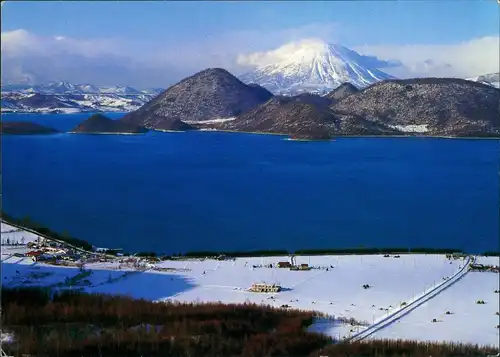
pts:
[353, 295]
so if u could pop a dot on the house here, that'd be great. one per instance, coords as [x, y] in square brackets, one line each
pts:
[300, 267]
[265, 288]
[304, 267]
[284, 265]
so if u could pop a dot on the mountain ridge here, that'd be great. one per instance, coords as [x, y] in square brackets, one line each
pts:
[213, 93]
[65, 97]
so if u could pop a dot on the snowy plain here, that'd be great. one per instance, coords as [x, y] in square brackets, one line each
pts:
[468, 322]
[334, 287]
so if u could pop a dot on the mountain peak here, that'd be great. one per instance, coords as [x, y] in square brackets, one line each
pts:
[311, 65]
[213, 93]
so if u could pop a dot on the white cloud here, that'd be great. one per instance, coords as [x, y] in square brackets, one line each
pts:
[467, 59]
[21, 43]
[303, 49]
[43, 58]
[152, 63]
[144, 63]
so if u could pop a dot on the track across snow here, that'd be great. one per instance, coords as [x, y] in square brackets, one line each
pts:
[403, 310]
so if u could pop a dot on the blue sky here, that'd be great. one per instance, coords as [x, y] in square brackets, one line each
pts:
[201, 34]
[372, 22]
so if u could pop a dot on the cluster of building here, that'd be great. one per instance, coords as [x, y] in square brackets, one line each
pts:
[265, 288]
[292, 265]
[44, 250]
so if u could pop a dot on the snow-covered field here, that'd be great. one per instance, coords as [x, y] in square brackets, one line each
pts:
[468, 322]
[12, 235]
[336, 291]
[411, 128]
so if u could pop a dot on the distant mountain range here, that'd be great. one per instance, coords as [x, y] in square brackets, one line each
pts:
[214, 99]
[309, 82]
[64, 97]
[314, 66]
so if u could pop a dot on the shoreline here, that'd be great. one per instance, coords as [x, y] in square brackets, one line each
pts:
[333, 138]
[336, 137]
[103, 133]
[169, 131]
[47, 233]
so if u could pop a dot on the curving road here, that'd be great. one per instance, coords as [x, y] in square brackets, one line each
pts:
[419, 300]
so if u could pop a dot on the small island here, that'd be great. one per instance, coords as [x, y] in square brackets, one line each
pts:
[24, 128]
[99, 124]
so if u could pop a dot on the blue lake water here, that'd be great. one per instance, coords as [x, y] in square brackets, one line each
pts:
[175, 192]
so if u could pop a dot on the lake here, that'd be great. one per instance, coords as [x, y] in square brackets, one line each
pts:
[177, 192]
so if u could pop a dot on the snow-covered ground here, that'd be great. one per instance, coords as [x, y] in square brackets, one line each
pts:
[72, 102]
[211, 121]
[336, 291]
[488, 261]
[411, 128]
[468, 322]
[13, 235]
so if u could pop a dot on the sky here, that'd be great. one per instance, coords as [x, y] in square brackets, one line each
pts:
[155, 44]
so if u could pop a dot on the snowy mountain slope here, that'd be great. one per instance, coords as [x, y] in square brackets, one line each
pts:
[314, 66]
[62, 87]
[64, 97]
[492, 79]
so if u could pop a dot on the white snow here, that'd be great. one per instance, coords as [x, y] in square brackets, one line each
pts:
[309, 65]
[468, 323]
[488, 261]
[422, 128]
[336, 292]
[73, 98]
[211, 121]
[13, 235]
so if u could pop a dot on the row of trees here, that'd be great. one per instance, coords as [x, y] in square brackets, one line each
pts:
[74, 324]
[404, 348]
[281, 252]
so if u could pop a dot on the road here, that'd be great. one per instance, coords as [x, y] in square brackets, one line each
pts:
[419, 300]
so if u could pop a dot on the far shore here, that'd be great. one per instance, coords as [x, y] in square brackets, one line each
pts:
[349, 136]
[29, 226]
[102, 133]
[290, 136]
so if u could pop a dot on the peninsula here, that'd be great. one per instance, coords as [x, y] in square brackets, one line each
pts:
[99, 124]
[24, 128]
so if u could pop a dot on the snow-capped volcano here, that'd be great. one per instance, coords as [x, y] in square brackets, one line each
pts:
[311, 66]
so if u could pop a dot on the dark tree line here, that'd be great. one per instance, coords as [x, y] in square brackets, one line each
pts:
[74, 324]
[404, 348]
